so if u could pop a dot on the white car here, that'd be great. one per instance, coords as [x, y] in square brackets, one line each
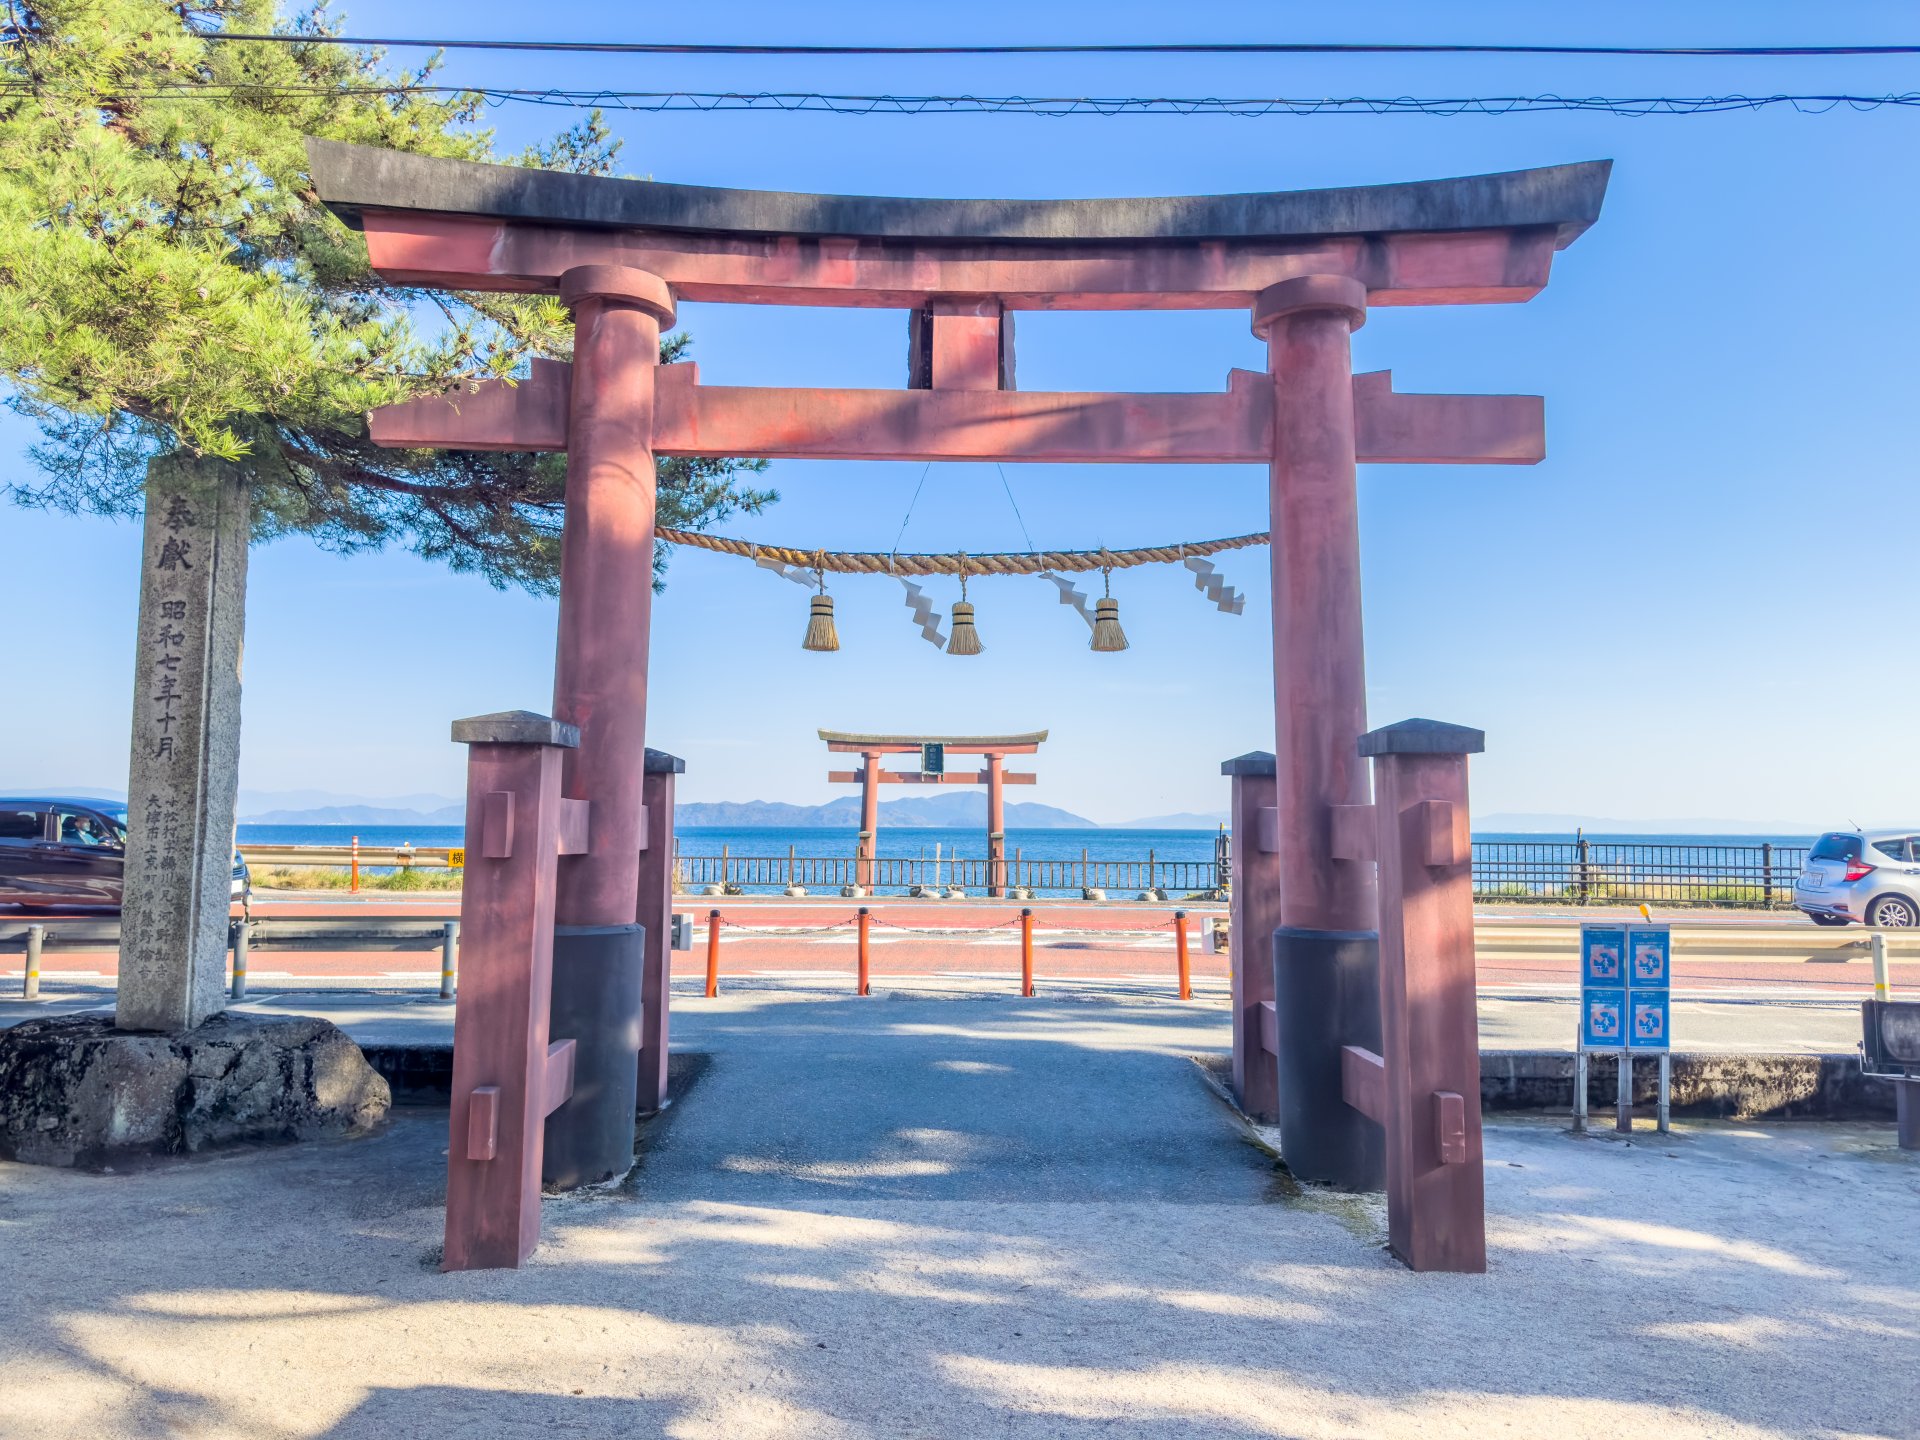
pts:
[1853, 876]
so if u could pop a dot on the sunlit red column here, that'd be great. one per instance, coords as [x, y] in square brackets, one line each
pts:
[1319, 669]
[606, 592]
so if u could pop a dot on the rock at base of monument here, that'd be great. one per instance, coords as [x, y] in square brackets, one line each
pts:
[76, 1092]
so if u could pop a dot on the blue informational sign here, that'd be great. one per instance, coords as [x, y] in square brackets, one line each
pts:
[1603, 1019]
[1649, 982]
[1626, 975]
[1649, 957]
[1603, 955]
[1649, 1020]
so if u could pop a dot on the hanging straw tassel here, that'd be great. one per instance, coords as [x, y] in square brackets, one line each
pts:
[1107, 634]
[966, 639]
[821, 634]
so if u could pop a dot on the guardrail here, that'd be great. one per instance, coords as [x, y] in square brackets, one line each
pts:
[384, 934]
[371, 857]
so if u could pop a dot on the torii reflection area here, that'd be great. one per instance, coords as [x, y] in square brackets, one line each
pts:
[1357, 1025]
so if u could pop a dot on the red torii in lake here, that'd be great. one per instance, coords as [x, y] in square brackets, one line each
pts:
[993, 749]
[569, 818]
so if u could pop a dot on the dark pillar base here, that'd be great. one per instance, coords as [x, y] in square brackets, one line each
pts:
[597, 972]
[1906, 1103]
[1326, 987]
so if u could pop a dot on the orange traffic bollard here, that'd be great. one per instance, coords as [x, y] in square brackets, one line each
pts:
[356, 865]
[1180, 949]
[713, 953]
[1026, 953]
[865, 921]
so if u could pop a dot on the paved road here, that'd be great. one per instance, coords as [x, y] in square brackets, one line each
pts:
[817, 1100]
[412, 1016]
[1520, 954]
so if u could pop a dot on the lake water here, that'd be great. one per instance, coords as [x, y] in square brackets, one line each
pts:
[769, 841]
[969, 843]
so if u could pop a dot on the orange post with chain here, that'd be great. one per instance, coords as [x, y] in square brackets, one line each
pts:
[1026, 953]
[865, 922]
[713, 953]
[1180, 953]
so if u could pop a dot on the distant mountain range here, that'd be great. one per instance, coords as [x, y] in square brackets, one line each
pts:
[1531, 823]
[931, 812]
[455, 814]
[948, 809]
[1179, 820]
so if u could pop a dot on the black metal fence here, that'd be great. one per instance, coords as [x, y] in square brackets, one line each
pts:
[1570, 872]
[749, 873]
[1598, 872]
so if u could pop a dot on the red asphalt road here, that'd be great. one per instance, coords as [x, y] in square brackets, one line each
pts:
[918, 938]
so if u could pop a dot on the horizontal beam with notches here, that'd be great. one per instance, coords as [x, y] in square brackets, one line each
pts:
[911, 777]
[463, 252]
[1234, 427]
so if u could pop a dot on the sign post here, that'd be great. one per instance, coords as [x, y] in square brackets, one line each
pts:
[1626, 980]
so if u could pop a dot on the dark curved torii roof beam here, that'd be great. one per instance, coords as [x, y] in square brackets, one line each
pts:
[460, 224]
[842, 740]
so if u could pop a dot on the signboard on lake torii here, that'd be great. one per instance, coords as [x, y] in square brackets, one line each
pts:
[1304, 266]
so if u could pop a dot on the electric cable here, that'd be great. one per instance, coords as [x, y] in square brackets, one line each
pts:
[1177, 47]
[814, 102]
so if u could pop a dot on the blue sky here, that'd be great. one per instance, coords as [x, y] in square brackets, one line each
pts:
[1701, 604]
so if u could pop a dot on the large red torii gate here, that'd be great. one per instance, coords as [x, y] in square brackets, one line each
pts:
[993, 749]
[560, 813]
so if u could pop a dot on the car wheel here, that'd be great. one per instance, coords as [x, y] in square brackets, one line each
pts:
[1820, 919]
[1893, 912]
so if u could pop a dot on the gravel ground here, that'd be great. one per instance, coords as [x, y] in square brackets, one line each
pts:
[970, 1218]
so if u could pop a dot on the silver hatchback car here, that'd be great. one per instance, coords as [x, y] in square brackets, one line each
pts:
[1874, 879]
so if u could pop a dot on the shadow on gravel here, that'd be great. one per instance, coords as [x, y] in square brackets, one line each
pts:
[1012, 1219]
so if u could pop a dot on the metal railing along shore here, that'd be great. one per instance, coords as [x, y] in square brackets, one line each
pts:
[974, 875]
[1758, 876]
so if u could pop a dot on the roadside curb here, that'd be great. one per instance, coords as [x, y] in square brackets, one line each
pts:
[1714, 1086]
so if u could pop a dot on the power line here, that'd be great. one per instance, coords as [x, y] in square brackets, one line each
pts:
[621, 47]
[814, 102]
[1007, 486]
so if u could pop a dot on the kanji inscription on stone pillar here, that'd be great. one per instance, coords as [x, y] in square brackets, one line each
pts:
[186, 746]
